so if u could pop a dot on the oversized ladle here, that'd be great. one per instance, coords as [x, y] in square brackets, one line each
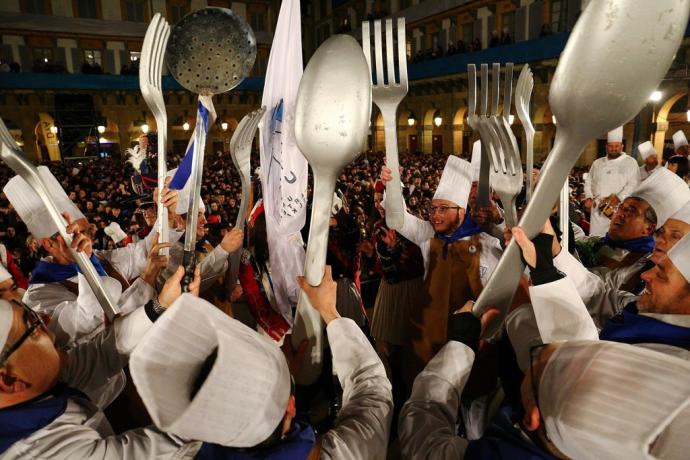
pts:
[616, 55]
[331, 125]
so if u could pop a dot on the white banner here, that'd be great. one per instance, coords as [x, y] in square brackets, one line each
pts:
[283, 168]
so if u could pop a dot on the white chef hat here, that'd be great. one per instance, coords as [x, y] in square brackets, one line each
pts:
[30, 207]
[476, 160]
[606, 400]
[665, 192]
[245, 395]
[455, 182]
[680, 256]
[4, 274]
[683, 214]
[616, 135]
[115, 232]
[184, 195]
[646, 150]
[6, 319]
[679, 139]
[337, 204]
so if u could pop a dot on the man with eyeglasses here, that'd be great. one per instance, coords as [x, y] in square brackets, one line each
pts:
[579, 398]
[45, 407]
[458, 260]
[625, 251]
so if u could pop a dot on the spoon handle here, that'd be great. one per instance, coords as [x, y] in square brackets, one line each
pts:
[315, 261]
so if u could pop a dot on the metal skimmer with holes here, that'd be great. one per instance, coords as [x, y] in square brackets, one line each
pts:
[211, 51]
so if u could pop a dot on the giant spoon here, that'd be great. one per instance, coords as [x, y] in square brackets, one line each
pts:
[331, 125]
[616, 55]
[210, 52]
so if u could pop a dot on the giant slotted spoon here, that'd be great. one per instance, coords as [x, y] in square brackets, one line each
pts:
[641, 38]
[150, 70]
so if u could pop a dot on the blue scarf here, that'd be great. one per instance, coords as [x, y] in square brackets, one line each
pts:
[50, 272]
[21, 421]
[468, 228]
[643, 244]
[296, 446]
[502, 440]
[631, 327]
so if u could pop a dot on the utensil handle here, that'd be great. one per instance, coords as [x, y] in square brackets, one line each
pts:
[195, 178]
[308, 325]
[563, 214]
[500, 289]
[162, 225]
[189, 264]
[235, 257]
[395, 212]
[530, 165]
[315, 261]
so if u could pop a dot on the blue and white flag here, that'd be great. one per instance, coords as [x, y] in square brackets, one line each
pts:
[283, 168]
[207, 113]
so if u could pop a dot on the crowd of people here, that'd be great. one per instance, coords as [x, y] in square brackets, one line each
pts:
[589, 361]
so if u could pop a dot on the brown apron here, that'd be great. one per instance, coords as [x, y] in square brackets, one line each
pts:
[449, 283]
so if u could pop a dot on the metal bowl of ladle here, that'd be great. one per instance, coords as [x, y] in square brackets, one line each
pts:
[211, 51]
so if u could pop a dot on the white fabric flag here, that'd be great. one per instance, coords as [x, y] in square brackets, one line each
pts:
[283, 168]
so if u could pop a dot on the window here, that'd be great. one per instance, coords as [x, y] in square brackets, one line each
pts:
[177, 9]
[508, 21]
[86, 8]
[93, 57]
[36, 6]
[468, 33]
[408, 49]
[556, 7]
[42, 54]
[256, 20]
[134, 10]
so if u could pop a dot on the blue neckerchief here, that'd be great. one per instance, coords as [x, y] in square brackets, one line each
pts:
[20, 421]
[468, 228]
[184, 169]
[643, 244]
[503, 441]
[631, 327]
[296, 446]
[49, 272]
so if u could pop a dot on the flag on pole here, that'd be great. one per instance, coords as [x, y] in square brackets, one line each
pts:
[283, 168]
[207, 113]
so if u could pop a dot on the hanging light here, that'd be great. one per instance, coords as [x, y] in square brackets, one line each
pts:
[438, 120]
[145, 128]
[224, 126]
[101, 129]
[185, 126]
[656, 96]
[553, 119]
[411, 119]
[54, 129]
[511, 119]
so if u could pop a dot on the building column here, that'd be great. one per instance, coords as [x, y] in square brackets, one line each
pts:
[68, 44]
[483, 15]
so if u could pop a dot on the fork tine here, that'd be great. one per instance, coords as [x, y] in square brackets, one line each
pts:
[366, 44]
[485, 89]
[508, 91]
[390, 56]
[496, 80]
[471, 89]
[378, 50]
[160, 53]
[5, 136]
[402, 52]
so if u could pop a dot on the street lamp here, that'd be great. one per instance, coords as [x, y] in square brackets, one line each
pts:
[656, 96]
[185, 126]
[54, 129]
[438, 120]
[145, 128]
[511, 119]
[224, 126]
[101, 129]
